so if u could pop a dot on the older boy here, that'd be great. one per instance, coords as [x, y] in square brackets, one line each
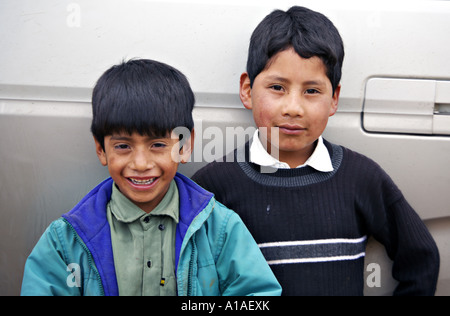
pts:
[310, 204]
[146, 230]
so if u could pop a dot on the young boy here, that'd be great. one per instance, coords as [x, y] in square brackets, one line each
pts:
[311, 204]
[147, 230]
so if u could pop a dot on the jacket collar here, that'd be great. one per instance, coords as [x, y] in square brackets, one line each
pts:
[89, 220]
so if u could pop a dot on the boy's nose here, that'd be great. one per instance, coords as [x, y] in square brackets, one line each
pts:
[292, 106]
[142, 161]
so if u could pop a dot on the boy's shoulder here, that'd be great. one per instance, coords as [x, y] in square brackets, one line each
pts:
[199, 193]
[360, 163]
[367, 177]
[215, 171]
[58, 231]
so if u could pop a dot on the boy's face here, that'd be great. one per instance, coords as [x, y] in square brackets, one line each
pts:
[141, 166]
[295, 96]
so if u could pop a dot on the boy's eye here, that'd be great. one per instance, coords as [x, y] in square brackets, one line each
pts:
[276, 87]
[121, 146]
[311, 91]
[159, 145]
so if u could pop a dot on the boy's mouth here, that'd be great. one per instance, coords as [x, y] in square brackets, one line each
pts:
[142, 181]
[291, 129]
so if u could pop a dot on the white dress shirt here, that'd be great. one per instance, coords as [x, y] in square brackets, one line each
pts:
[319, 159]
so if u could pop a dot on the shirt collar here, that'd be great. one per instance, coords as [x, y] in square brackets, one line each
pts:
[126, 211]
[319, 160]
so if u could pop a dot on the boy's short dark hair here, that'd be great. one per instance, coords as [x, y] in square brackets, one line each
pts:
[310, 33]
[143, 96]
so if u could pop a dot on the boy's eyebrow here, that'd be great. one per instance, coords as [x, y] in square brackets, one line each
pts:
[129, 138]
[277, 78]
[314, 83]
[119, 137]
[306, 83]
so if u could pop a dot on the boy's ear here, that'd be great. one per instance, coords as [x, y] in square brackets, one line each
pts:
[188, 146]
[335, 100]
[100, 152]
[245, 91]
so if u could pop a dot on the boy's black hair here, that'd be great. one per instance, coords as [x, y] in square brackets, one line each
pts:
[143, 96]
[310, 33]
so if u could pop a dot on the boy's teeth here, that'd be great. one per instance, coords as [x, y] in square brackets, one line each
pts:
[142, 182]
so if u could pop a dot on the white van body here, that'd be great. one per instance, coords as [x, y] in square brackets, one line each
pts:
[394, 105]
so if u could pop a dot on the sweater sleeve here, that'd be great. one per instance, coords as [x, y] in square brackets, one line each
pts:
[412, 248]
[395, 224]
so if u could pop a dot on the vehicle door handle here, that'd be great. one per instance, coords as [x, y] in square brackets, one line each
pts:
[441, 115]
[410, 106]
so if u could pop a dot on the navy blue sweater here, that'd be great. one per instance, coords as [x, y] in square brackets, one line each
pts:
[312, 227]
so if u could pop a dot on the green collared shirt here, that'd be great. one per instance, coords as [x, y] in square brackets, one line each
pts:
[144, 244]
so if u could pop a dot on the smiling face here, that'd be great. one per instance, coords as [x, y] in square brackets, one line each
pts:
[294, 96]
[142, 167]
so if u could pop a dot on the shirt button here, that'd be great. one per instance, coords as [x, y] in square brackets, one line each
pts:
[149, 264]
[161, 227]
[147, 219]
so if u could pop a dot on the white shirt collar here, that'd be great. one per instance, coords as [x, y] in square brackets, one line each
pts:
[319, 160]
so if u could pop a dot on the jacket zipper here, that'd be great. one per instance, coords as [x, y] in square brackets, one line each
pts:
[191, 267]
[191, 262]
[75, 234]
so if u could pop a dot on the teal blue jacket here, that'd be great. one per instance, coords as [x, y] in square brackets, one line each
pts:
[215, 253]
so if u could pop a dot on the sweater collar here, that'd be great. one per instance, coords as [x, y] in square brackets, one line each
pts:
[287, 177]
